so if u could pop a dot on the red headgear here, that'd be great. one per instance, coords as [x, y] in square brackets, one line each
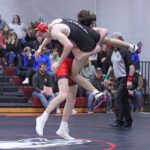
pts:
[42, 27]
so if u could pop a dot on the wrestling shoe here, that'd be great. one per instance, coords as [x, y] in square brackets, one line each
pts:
[63, 133]
[117, 124]
[40, 123]
[133, 47]
[99, 99]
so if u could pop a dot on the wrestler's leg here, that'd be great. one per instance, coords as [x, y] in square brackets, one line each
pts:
[63, 130]
[78, 63]
[120, 43]
[63, 93]
[75, 75]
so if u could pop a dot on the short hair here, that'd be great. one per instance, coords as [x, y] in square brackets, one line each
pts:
[27, 48]
[118, 35]
[85, 17]
[43, 64]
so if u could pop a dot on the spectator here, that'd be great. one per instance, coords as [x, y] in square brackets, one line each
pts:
[18, 27]
[87, 71]
[135, 56]
[43, 57]
[30, 38]
[54, 56]
[2, 23]
[104, 58]
[42, 85]
[97, 81]
[135, 92]
[25, 62]
[13, 48]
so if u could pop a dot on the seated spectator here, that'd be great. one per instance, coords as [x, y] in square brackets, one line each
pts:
[54, 56]
[42, 85]
[2, 23]
[4, 37]
[3, 63]
[18, 27]
[135, 92]
[87, 71]
[104, 58]
[97, 81]
[30, 38]
[43, 57]
[13, 49]
[25, 62]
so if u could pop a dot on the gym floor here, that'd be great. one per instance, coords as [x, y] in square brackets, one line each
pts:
[91, 131]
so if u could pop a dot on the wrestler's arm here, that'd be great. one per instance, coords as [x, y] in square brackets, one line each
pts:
[44, 43]
[63, 39]
[41, 47]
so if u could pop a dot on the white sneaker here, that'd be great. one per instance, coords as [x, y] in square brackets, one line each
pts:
[74, 111]
[90, 112]
[109, 112]
[62, 132]
[40, 123]
[26, 81]
[58, 111]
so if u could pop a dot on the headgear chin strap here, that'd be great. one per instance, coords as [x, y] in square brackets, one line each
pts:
[42, 27]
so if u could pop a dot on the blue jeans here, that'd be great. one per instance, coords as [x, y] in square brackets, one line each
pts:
[109, 101]
[44, 100]
[10, 57]
[90, 98]
[138, 96]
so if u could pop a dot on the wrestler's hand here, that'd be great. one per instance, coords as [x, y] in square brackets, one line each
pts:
[38, 53]
[55, 67]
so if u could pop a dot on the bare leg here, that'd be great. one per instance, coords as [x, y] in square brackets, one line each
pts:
[63, 93]
[70, 101]
[77, 65]
[85, 55]
[120, 43]
[63, 130]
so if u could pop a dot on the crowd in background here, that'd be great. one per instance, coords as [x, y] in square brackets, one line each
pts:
[18, 45]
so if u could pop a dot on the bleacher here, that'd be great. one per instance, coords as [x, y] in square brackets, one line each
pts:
[17, 98]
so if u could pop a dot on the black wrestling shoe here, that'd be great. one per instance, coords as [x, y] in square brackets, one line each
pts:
[128, 125]
[99, 99]
[117, 124]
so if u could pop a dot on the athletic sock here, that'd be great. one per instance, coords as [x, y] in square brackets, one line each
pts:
[44, 116]
[63, 124]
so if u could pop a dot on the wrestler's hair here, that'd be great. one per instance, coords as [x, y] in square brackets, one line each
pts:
[85, 17]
